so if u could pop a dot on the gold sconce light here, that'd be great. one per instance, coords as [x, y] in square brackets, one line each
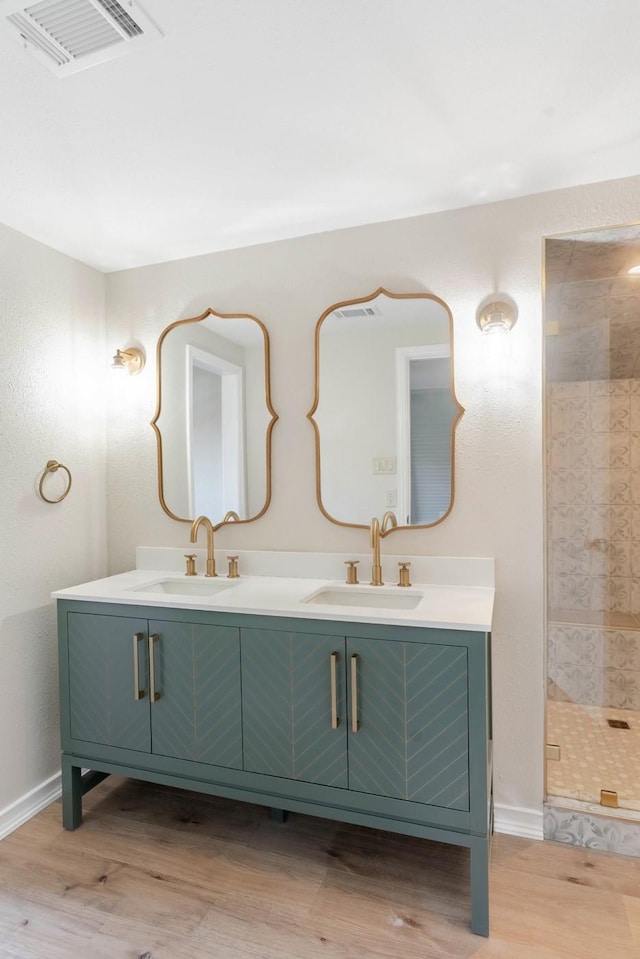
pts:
[131, 360]
[496, 316]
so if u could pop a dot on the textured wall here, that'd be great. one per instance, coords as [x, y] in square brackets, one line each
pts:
[462, 256]
[51, 407]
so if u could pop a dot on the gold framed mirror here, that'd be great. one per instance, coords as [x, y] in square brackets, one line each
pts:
[214, 418]
[385, 410]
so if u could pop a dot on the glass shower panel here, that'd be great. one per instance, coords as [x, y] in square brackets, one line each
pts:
[592, 394]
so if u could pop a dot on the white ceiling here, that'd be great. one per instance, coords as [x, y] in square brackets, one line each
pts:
[255, 120]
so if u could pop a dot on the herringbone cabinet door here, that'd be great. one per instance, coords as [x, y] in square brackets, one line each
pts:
[197, 674]
[286, 695]
[101, 688]
[412, 742]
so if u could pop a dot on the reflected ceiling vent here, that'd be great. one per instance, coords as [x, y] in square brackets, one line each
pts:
[356, 312]
[72, 35]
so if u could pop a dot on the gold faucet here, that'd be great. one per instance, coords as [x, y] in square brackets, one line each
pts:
[231, 517]
[388, 521]
[376, 530]
[206, 522]
[376, 568]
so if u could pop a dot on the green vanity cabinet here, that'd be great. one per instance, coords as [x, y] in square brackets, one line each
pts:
[167, 688]
[378, 725]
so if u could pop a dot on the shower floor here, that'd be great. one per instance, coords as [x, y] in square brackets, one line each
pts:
[593, 756]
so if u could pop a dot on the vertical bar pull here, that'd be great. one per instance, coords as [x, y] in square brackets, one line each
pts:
[137, 692]
[355, 722]
[335, 721]
[153, 695]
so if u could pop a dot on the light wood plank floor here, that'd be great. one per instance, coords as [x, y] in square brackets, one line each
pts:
[156, 873]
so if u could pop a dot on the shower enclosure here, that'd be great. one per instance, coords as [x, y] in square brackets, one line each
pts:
[592, 397]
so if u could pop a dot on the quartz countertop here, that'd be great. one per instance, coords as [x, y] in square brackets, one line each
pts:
[437, 604]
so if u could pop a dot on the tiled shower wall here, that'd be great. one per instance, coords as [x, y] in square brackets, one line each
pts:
[593, 515]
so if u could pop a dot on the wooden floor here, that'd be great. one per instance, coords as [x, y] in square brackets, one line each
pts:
[156, 873]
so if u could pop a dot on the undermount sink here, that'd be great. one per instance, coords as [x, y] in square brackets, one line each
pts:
[186, 587]
[376, 597]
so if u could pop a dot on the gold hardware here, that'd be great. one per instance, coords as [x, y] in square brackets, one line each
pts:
[609, 797]
[403, 579]
[132, 360]
[389, 521]
[376, 568]
[355, 722]
[429, 299]
[191, 564]
[376, 530]
[206, 522]
[335, 721]
[352, 572]
[273, 416]
[52, 467]
[553, 751]
[231, 517]
[137, 692]
[233, 567]
[153, 695]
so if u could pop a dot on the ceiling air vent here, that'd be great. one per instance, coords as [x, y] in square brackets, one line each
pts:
[355, 312]
[72, 35]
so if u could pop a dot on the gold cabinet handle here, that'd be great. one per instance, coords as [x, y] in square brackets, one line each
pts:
[137, 692]
[355, 722]
[153, 695]
[335, 720]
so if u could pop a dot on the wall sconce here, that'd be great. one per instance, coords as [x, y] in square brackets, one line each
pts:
[496, 317]
[132, 360]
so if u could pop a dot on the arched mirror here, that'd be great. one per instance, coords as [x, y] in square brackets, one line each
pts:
[385, 409]
[214, 417]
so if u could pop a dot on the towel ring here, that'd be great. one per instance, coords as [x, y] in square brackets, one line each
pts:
[52, 467]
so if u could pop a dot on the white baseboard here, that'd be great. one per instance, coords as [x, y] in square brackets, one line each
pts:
[28, 805]
[511, 820]
[517, 821]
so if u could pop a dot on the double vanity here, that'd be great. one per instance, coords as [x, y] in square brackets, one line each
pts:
[288, 683]
[364, 704]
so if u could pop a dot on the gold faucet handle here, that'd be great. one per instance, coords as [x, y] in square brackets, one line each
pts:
[352, 572]
[191, 564]
[403, 569]
[233, 567]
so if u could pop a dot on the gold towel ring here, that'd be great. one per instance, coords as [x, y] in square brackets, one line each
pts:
[51, 467]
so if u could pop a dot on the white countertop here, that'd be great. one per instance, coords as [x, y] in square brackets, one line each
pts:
[449, 606]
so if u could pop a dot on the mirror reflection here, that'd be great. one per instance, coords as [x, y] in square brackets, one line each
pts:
[385, 410]
[214, 417]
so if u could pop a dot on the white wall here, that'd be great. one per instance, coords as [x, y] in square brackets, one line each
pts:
[51, 407]
[462, 256]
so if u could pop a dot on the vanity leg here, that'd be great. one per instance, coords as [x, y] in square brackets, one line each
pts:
[479, 886]
[278, 815]
[71, 794]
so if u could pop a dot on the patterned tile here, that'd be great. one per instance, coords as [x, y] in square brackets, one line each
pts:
[607, 486]
[591, 831]
[609, 413]
[612, 522]
[570, 592]
[569, 522]
[580, 684]
[622, 649]
[609, 450]
[570, 415]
